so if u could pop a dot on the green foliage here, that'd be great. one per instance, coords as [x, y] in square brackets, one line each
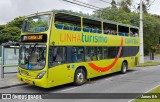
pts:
[11, 31]
[118, 15]
[125, 4]
[113, 3]
[17, 22]
[2, 27]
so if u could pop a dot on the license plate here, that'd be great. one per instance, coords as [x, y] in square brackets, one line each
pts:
[25, 72]
[27, 81]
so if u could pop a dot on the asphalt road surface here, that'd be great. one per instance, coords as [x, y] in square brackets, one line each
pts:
[138, 80]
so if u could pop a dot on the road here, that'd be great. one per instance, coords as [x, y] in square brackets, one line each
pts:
[138, 80]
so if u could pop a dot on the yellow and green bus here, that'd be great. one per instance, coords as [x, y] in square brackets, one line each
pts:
[60, 47]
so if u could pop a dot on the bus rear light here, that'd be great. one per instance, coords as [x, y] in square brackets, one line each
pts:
[40, 75]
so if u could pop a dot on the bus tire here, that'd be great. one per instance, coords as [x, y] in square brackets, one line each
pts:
[79, 77]
[124, 67]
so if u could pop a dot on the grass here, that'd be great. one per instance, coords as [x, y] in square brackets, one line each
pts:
[152, 92]
[148, 64]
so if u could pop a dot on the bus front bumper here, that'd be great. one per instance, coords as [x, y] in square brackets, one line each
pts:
[37, 82]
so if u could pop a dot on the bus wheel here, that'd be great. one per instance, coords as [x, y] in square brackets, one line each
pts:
[124, 68]
[79, 77]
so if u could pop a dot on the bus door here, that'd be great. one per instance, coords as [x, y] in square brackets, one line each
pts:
[58, 72]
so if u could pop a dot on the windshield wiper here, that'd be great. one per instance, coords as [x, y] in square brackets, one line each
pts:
[33, 48]
[30, 52]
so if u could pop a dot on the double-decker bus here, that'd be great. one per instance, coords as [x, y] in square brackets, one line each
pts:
[60, 47]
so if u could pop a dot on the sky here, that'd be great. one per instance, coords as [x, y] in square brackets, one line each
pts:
[10, 9]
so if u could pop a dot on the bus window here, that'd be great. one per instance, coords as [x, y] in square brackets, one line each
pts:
[67, 22]
[112, 52]
[105, 52]
[134, 32]
[91, 26]
[77, 54]
[87, 54]
[110, 28]
[32, 57]
[91, 54]
[99, 53]
[39, 23]
[123, 30]
[57, 55]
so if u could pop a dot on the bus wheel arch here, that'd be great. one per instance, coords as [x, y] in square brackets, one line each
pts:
[124, 67]
[80, 76]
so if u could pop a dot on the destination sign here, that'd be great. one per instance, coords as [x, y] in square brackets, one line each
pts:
[34, 38]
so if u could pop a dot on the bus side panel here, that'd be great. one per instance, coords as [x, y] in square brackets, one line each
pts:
[60, 74]
[102, 64]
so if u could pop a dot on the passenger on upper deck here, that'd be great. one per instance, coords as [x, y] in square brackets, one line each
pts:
[131, 33]
[106, 30]
[135, 34]
[113, 32]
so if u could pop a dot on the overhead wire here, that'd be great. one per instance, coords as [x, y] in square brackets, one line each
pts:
[151, 3]
[87, 6]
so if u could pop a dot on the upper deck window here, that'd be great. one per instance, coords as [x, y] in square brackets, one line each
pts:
[67, 22]
[123, 30]
[91, 26]
[38, 23]
[110, 28]
[134, 32]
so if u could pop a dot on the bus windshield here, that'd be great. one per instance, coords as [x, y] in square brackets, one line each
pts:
[38, 23]
[32, 57]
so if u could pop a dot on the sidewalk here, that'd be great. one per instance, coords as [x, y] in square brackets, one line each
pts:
[156, 59]
[10, 80]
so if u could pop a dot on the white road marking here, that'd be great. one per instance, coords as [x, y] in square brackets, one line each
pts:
[70, 89]
[152, 88]
[109, 78]
[148, 68]
[131, 100]
[121, 75]
[145, 92]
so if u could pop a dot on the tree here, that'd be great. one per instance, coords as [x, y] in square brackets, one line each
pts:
[17, 22]
[11, 31]
[145, 6]
[109, 14]
[125, 5]
[113, 3]
[1, 28]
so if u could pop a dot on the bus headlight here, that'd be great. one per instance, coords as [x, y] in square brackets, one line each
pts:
[40, 75]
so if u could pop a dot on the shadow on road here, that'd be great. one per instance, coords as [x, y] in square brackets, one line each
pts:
[71, 85]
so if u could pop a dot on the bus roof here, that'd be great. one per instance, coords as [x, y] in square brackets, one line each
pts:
[90, 17]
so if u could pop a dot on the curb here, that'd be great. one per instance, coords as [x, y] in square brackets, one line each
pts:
[148, 65]
[9, 86]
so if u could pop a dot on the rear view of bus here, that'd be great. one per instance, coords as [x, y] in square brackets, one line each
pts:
[33, 47]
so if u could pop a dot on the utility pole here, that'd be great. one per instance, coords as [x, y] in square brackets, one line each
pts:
[141, 34]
